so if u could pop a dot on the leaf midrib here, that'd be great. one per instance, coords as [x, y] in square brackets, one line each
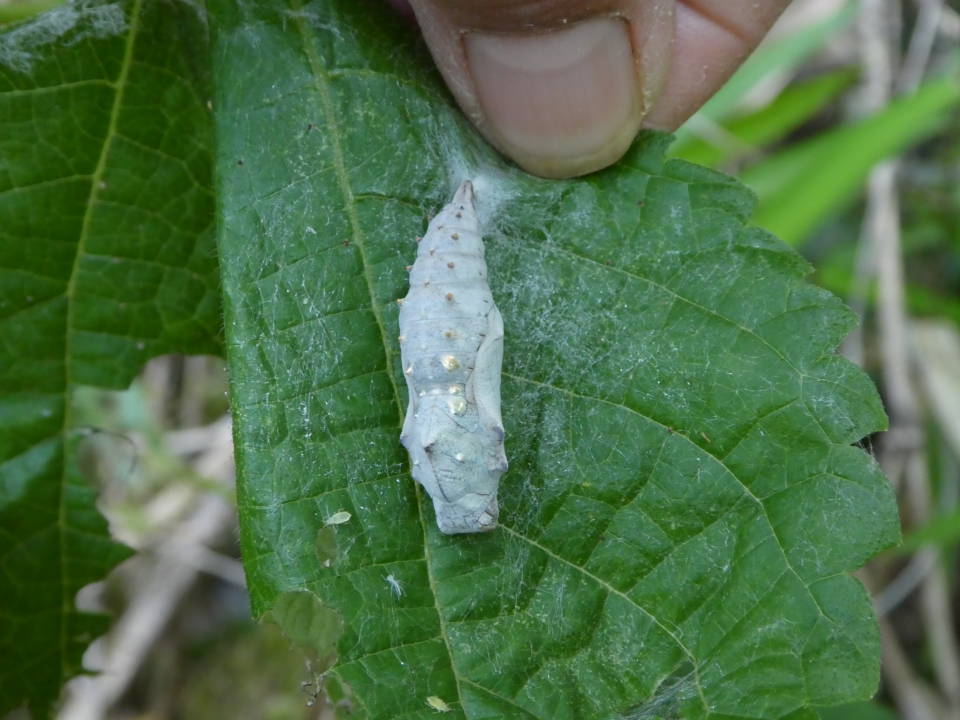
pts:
[119, 86]
[322, 93]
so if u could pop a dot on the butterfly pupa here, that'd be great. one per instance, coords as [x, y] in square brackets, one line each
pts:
[451, 348]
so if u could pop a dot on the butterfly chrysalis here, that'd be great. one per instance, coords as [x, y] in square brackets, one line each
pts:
[451, 345]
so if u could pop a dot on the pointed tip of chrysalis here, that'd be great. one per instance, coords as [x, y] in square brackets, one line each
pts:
[464, 194]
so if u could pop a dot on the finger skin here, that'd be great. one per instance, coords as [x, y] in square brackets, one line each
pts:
[712, 39]
[683, 51]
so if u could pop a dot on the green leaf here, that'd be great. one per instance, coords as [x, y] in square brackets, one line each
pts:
[800, 188]
[106, 259]
[305, 621]
[858, 711]
[19, 10]
[683, 503]
[750, 132]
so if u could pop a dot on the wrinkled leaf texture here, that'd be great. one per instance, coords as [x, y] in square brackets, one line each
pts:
[683, 504]
[107, 258]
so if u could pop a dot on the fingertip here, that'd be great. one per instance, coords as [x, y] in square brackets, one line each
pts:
[713, 37]
[560, 101]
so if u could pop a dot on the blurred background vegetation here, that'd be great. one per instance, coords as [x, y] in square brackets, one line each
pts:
[846, 124]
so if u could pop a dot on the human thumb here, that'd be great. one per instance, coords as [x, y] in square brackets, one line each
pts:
[560, 87]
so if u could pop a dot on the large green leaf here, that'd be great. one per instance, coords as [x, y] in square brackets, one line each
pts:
[106, 259]
[683, 503]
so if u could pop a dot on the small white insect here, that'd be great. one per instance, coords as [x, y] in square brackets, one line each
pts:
[395, 585]
[338, 518]
[438, 704]
[451, 347]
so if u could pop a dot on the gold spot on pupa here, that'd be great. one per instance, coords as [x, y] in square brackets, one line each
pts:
[458, 406]
[449, 362]
[455, 236]
[459, 457]
[451, 265]
[449, 297]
